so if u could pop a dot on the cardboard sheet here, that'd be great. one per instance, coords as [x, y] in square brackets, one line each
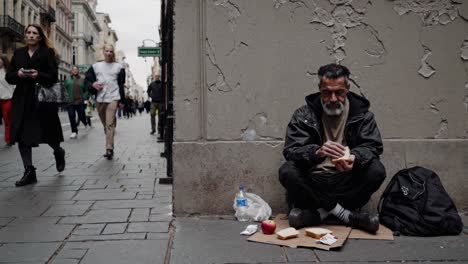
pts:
[383, 234]
[342, 232]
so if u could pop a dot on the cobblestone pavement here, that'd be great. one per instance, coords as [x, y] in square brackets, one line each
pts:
[96, 211]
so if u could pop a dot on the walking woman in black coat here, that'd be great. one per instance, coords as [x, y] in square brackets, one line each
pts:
[32, 122]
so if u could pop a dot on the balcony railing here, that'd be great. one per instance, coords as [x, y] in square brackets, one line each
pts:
[48, 13]
[89, 40]
[11, 26]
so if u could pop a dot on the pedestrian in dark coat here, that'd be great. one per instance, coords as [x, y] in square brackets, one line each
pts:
[32, 122]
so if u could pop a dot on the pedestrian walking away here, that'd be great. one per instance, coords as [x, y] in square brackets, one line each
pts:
[155, 93]
[106, 80]
[33, 122]
[6, 93]
[77, 95]
[332, 149]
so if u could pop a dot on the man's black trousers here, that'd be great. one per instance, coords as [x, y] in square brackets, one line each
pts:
[80, 109]
[312, 191]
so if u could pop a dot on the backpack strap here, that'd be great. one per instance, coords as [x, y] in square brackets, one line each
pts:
[387, 189]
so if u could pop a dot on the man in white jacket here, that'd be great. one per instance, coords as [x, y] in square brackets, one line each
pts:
[6, 93]
[106, 80]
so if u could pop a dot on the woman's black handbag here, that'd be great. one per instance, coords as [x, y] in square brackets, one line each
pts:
[56, 93]
[416, 204]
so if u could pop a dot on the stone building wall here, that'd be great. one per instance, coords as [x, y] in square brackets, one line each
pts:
[242, 67]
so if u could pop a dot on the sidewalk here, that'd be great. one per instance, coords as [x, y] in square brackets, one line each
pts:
[96, 211]
[99, 211]
[214, 240]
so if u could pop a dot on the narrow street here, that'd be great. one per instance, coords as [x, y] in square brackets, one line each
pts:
[96, 211]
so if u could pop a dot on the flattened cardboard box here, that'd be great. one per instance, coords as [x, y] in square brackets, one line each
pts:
[341, 232]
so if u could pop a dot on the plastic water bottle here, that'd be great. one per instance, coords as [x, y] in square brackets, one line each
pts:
[241, 205]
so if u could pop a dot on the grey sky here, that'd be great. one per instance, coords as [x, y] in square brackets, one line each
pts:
[134, 21]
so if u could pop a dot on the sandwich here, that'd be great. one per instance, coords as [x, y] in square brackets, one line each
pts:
[287, 233]
[317, 232]
[346, 156]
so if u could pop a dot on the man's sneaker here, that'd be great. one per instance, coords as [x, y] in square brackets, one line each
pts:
[87, 128]
[364, 221]
[73, 135]
[152, 132]
[299, 218]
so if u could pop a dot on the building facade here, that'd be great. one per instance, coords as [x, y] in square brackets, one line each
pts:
[63, 37]
[14, 16]
[106, 36]
[85, 34]
[132, 89]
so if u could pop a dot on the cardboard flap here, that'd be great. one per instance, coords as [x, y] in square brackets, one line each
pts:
[383, 234]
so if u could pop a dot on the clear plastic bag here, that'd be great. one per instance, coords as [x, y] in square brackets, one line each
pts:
[257, 209]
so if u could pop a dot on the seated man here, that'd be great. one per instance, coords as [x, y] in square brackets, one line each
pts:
[318, 133]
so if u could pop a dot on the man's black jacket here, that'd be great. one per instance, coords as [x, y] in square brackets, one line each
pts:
[155, 91]
[304, 134]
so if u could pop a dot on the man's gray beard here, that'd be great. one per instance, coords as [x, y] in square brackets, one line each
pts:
[332, 111]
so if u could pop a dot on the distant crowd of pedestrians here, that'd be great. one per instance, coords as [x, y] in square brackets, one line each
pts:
[30, 120]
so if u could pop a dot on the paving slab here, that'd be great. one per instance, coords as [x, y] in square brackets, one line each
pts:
[126, 204]
[34, 221]
[65, 261]
[161, 218]
[8, 210]
[5, 220]
[162, 208]
[71, 253]
[55, 196]
[99, 216]
[52, 188]
[140, 215]
[125, 236]
[67, 210]
[154, 227]
[195, 237]
[118, 228]
[34, 233]
[158, 236]
[300, 254]
[402, 249]
[96, 195]
[124, 252]
[89, 229]
[36, 252]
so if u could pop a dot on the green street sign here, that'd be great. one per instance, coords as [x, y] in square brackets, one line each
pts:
[83, 68]
[149, 52]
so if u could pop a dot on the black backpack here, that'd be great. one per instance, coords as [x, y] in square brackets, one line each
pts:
[416, 204]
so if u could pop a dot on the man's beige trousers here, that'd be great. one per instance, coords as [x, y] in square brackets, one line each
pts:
[106, 113]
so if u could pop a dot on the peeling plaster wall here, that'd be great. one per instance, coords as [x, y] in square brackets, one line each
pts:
[242, 67]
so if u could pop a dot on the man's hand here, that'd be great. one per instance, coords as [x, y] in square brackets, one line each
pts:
[98, 86]
[345, 165]
[331, 149]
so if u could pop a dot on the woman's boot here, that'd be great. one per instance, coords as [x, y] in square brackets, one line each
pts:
[59, 155]
[29, 177]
